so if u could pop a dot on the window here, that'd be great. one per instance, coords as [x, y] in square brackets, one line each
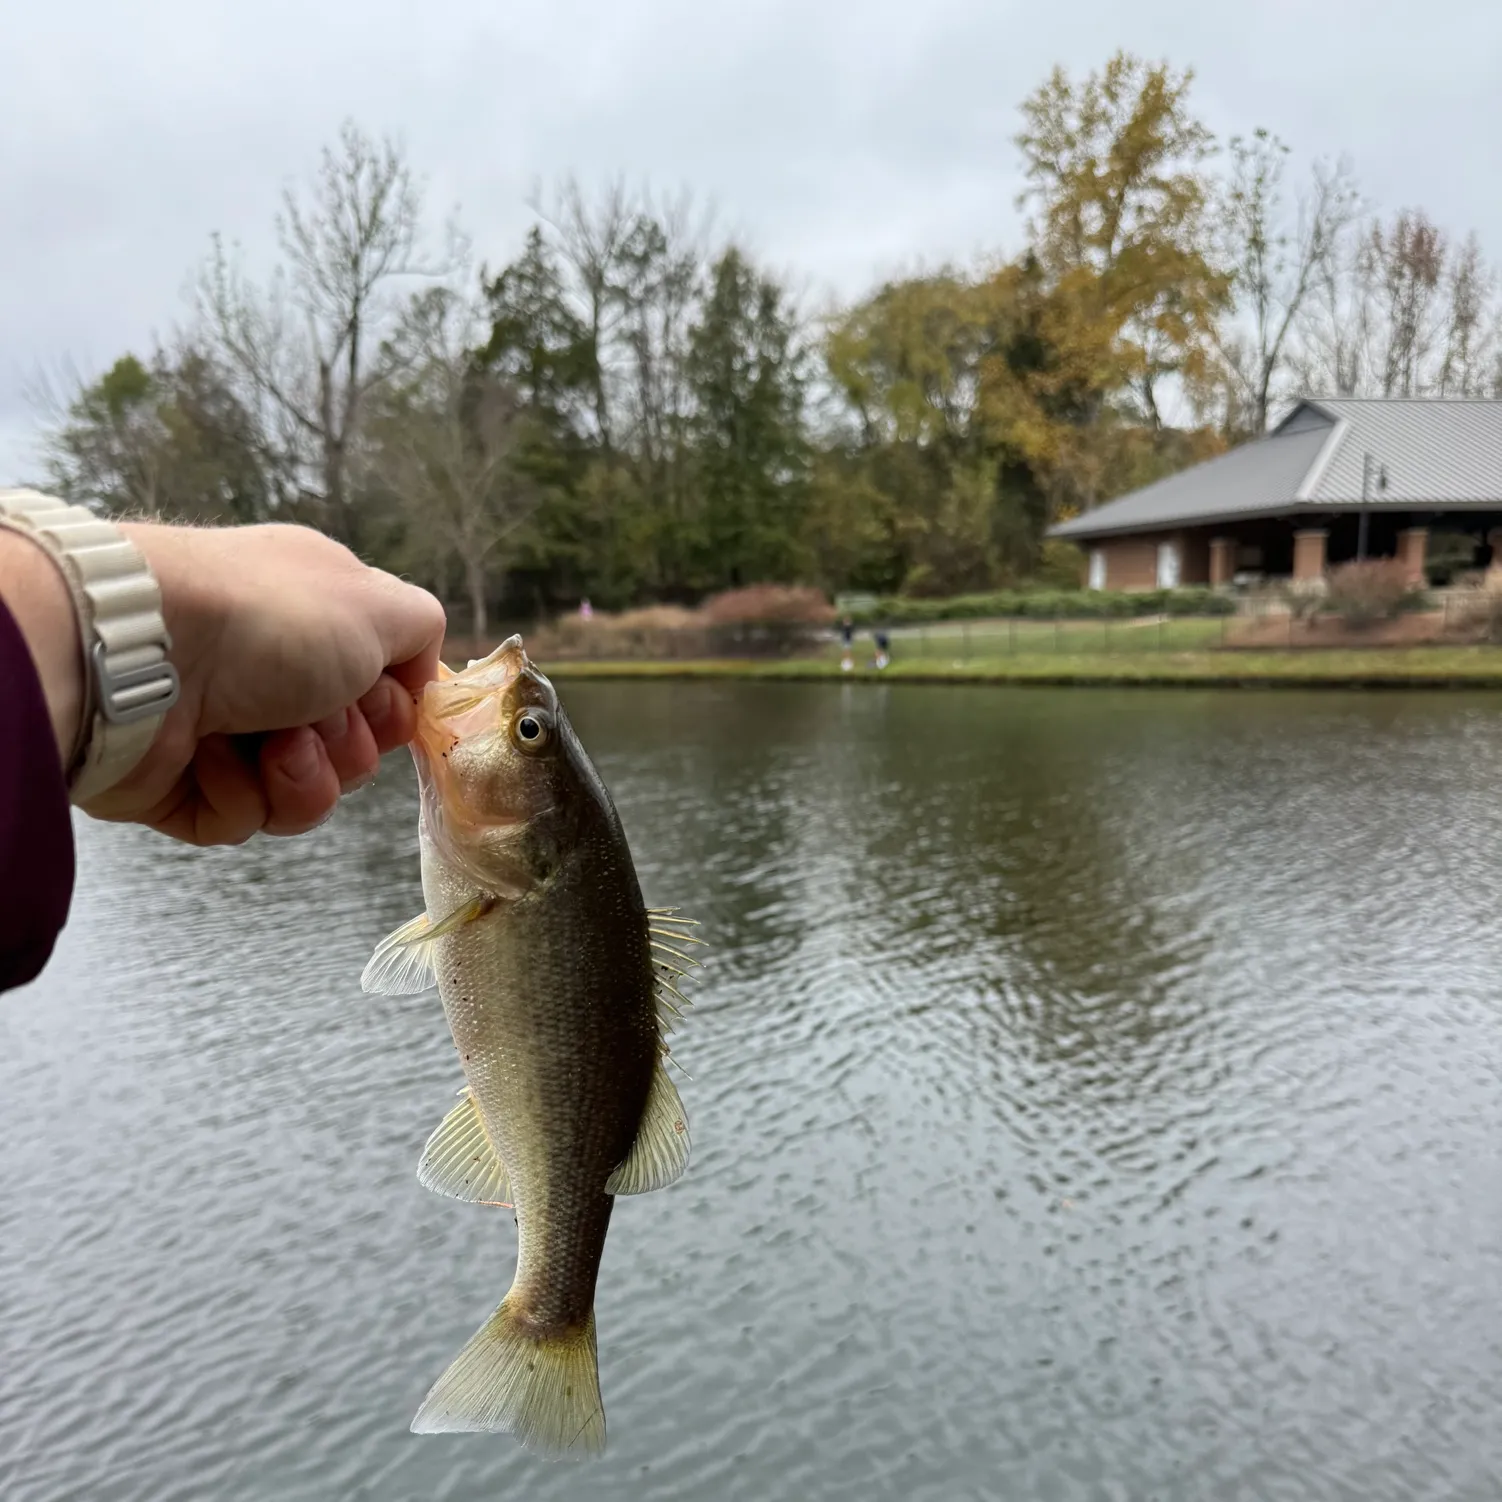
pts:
[1168, 565]
[1097, 568]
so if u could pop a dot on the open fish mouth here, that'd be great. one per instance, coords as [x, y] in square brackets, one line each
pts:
[458, 705]
[458, 701]
[501, 668]
[470, 710]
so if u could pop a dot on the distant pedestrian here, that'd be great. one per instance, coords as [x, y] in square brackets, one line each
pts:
[847, 637]
[883, 649]
[586, 610]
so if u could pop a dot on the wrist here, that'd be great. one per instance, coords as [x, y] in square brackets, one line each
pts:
[125, 682]
[37, 594]
[193, 598]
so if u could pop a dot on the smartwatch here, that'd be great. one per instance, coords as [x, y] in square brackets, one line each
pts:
[129, 684]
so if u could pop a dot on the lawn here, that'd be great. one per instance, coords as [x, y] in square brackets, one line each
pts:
[1411, 667]
[965, 640]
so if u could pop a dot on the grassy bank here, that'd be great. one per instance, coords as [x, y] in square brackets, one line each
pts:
[1414, 667]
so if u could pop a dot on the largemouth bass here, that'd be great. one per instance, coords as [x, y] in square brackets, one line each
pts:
[558, 985]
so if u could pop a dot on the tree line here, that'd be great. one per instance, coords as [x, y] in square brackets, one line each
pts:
[632, 409]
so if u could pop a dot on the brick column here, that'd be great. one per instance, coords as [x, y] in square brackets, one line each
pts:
[1309, 554]
[1222, 561]
[1493, 576]
[1413, 548]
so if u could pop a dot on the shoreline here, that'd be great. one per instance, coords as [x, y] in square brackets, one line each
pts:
[1450, 669]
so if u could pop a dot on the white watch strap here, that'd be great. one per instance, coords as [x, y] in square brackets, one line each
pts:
[130, 683]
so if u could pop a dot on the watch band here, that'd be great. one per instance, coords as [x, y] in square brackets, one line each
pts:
[129, 683]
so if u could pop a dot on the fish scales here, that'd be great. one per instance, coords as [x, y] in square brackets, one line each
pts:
[550, 1001]
[542, 949]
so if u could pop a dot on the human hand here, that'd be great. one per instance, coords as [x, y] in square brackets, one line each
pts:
[298, 666]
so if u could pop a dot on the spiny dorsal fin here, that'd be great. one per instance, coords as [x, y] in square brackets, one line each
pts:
[660, 948]
[402, 964]
[666, 930]
[671, 1003]
[461, 1161]
[660, 1152]
[664, 921]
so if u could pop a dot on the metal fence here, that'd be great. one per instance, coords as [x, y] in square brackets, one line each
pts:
[969, 641]
[959, 641]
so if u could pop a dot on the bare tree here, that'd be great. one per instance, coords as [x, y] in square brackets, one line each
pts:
[443, 440]
[1339, 328]
[1277, 266]
[1410, 260]
[1469, 338]
[1402, 310]
[309, 349]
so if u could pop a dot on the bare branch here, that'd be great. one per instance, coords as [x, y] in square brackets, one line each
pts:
[311, 347]
[444, 442]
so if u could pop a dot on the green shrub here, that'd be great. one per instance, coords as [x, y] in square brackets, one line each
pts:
[1061, 565]
[1198, 600]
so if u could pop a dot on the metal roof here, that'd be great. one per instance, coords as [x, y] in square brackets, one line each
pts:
[1437, 455]
[1258, 477]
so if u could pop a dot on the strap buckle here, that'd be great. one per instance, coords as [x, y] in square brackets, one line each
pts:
[131, 694]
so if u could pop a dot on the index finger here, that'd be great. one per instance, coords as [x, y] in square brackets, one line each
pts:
[411, 625]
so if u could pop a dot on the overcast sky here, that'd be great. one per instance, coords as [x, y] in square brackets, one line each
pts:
[843, 140]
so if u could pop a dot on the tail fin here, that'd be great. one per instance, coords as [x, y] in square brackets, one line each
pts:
[544, 1389]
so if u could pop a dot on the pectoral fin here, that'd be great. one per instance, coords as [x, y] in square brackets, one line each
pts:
[402, 964]
[660, 1153]
[461, 1161]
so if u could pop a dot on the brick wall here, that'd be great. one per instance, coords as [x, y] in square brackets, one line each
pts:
[1131, 563]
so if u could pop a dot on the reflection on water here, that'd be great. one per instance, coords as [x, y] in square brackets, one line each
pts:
[1094, 1096]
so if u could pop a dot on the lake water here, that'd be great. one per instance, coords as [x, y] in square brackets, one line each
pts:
[1094, 1096]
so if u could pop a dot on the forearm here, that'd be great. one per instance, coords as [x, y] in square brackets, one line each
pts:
[40, 689]
[34, 591]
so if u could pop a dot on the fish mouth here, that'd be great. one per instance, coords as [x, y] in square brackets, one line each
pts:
[456, 705]
[501, 668]
[475, 699]
[455, 708]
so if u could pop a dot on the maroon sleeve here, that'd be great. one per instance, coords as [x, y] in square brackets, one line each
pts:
[36, 833]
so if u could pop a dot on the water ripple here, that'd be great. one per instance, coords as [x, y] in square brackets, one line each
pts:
[1094, 1097]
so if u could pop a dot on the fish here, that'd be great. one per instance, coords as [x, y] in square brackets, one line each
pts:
[559, 987]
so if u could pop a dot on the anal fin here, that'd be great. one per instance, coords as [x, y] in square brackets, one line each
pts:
[462, 1162]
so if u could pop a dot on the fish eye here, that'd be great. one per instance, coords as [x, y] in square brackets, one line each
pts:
[531, 729]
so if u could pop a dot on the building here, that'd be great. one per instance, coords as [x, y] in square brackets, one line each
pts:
[1337, 479]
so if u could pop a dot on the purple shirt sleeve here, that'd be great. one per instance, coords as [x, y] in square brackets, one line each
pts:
[36, 833]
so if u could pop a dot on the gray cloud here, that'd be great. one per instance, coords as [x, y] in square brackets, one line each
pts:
[844, 140]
